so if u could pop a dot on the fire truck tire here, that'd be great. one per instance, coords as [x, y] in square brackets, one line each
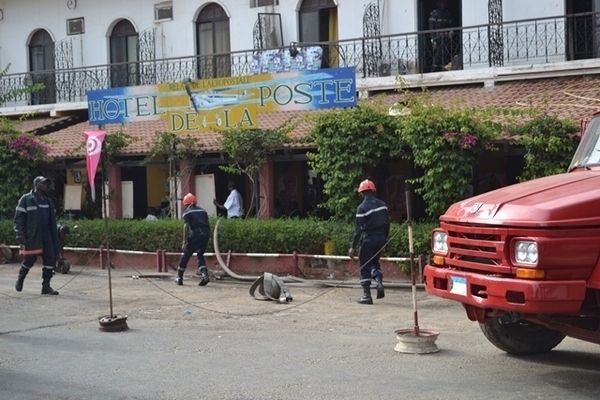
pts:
[521, 337]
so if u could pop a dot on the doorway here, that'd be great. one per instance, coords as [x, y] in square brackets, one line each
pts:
[582, 31]
[447, 48]
[318, 23]
[137, 175]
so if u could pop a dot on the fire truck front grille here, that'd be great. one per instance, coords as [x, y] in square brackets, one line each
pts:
[476, 248]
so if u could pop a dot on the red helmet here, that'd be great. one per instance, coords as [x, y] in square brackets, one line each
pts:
[366, 186]
[189, 199]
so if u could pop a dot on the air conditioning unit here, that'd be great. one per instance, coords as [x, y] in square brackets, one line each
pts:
[75, 26]
[263, 3]
[163, 11]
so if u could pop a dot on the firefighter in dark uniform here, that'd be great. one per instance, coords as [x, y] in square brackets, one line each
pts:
[195, 238]
[373, 223]
[35, 226]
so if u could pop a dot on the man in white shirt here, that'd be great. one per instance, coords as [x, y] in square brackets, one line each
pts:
[234, 204]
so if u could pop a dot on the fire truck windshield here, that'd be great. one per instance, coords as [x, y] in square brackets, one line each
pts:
[588, 151]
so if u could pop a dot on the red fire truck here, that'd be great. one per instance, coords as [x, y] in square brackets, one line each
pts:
[524, 260]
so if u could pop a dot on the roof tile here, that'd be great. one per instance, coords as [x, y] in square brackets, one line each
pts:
[567, 97]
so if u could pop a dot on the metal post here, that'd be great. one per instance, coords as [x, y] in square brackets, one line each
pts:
[107, 242]
[159, 266]
[296, 269]
[412, 255]
[102, 259]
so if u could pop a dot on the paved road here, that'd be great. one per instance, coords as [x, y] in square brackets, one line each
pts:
[328, 348]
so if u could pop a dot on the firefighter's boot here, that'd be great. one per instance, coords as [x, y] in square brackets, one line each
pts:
[22, 274]
[380, 289]
[179, 279]
[46, 289]
[366, 297]
[205, 278]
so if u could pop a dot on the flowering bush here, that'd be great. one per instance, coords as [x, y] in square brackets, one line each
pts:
[445, 143]
[465, 141]
[26, 147]
[23, 154]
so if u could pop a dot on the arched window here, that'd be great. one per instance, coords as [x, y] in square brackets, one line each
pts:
[41, 58]
[124, 53]
[318, 23]
[212, 37]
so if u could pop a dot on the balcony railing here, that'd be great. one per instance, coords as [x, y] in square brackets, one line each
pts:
[562, 38]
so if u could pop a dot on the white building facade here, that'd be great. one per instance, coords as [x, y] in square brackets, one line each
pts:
[72, 46]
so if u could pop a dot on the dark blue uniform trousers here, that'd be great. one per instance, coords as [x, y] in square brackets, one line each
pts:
[48, 258]
[196, 243]
[368, 256]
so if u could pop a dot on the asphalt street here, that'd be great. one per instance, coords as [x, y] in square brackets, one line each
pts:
[216, 342]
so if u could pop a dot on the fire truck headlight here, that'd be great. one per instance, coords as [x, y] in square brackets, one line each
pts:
[439, 243]
[526, 252]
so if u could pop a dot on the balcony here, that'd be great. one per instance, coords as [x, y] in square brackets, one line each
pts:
[532, 41]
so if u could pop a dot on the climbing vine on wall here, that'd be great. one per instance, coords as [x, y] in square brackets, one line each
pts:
[549, 142]
[349, 143]
[445, 143]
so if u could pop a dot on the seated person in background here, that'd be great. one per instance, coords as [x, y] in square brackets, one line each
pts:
[151, 214]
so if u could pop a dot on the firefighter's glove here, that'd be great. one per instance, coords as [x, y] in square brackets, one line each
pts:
[351, 253]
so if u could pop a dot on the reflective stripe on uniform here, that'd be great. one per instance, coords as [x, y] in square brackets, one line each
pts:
[42, 206]
[21, 209]
[194, 211]
[382, 208]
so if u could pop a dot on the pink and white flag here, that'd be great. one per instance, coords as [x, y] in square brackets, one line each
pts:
[93, 144]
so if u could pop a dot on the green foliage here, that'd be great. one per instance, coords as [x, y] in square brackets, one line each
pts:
[445, 143]
[306, 236]
[21, 156]
[350, 142]
[174, 147]
[250, 149]
[18, 93]
[550, 144]
[113, 145]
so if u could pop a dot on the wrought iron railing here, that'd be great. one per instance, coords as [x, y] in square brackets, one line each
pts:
[562, 38]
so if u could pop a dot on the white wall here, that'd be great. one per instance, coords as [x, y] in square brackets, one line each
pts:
[524, 9]
[23, 17]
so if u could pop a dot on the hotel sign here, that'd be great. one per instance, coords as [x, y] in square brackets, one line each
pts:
[223, 103]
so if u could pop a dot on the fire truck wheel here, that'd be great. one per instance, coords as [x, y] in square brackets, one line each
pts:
[521, 337]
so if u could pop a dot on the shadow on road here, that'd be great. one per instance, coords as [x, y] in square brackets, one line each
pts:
[566, 358]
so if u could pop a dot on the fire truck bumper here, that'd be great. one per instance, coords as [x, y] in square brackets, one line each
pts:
[518, 295]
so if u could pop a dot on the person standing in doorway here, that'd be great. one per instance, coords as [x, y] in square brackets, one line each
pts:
[234, 204]
[441, 18]
[195, 238]
[373, 224]
[37, 233]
